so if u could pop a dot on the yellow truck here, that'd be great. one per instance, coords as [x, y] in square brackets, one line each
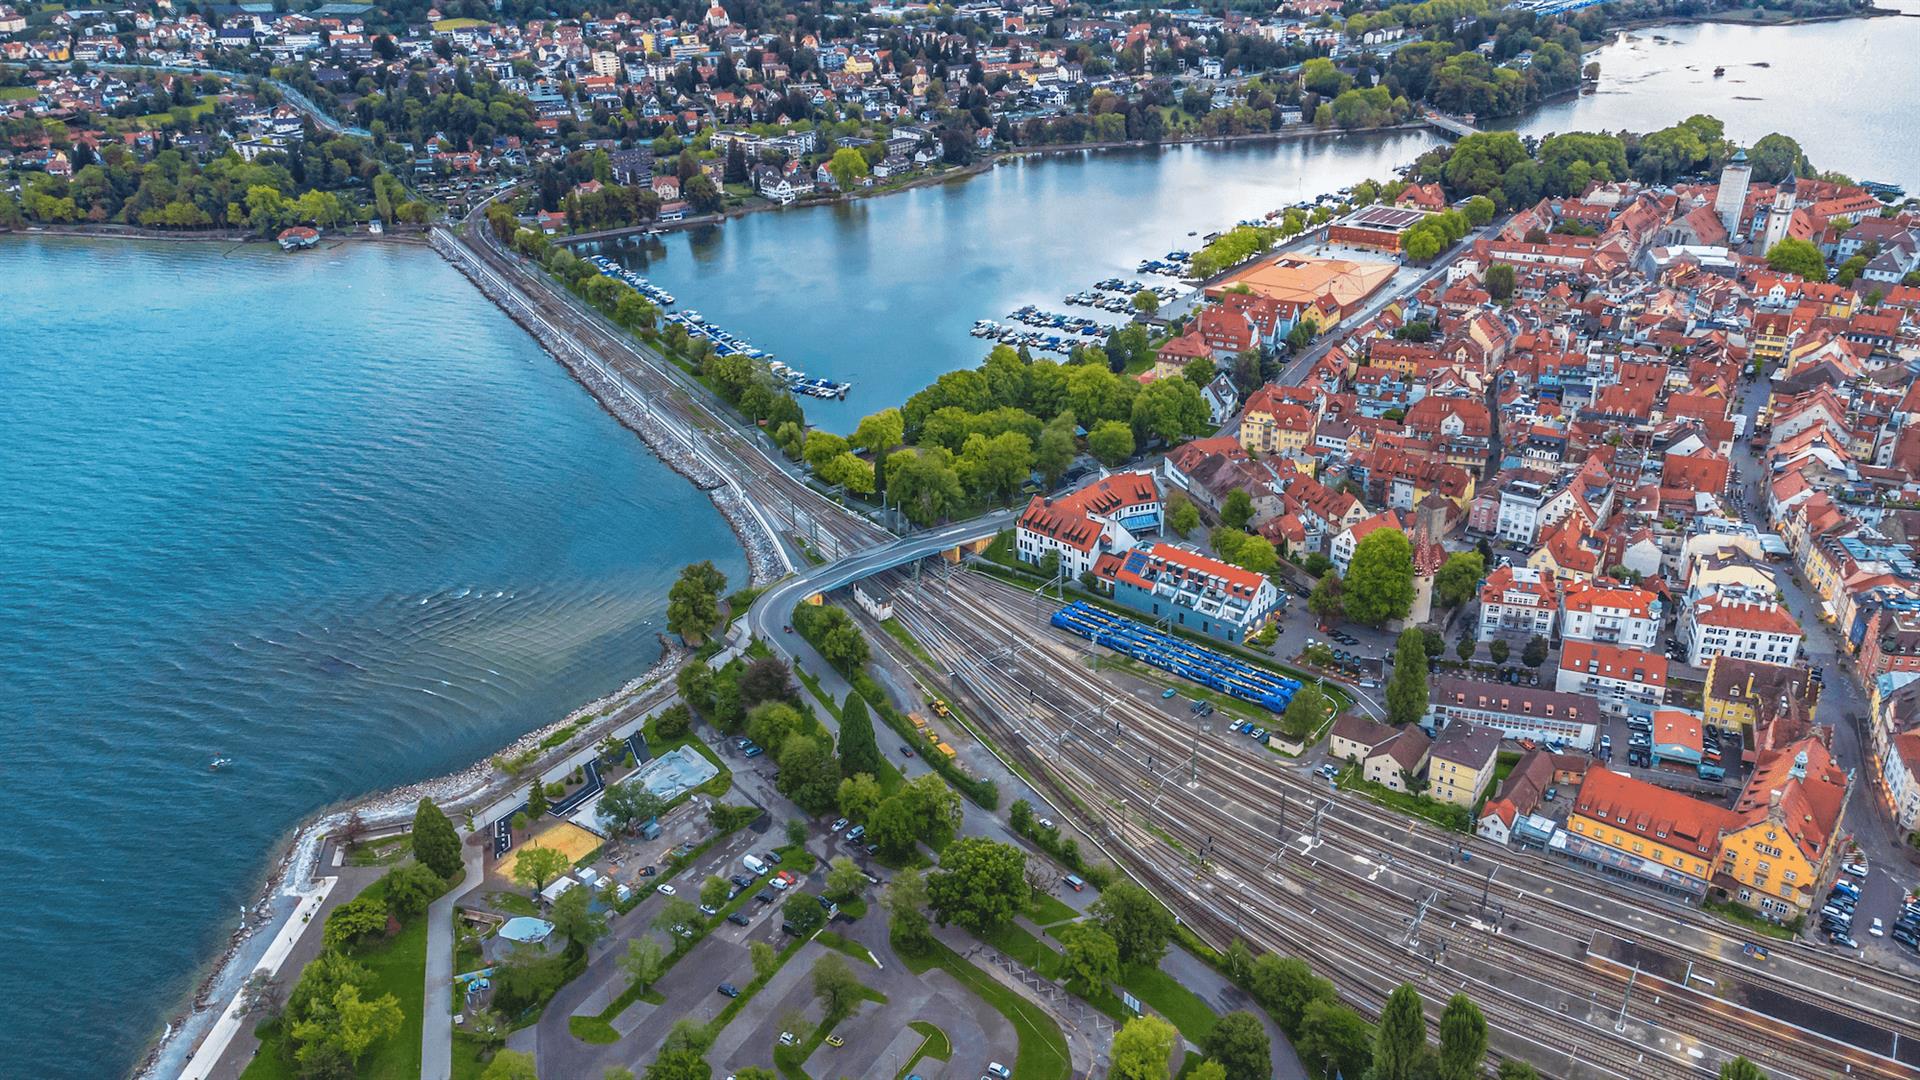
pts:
[939, 708]
[946, 751]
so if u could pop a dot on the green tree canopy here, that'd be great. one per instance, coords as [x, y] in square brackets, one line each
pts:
[1401, 1040]
[980, 885]
[1139, 924]
[1796, 256]
[1379, 582]
[1239, 1043]
[1143, 1049]
[435, 842]
[1407, 686]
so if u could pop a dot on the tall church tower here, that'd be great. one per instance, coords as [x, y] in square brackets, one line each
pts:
[1780, 215]
[1731, 203]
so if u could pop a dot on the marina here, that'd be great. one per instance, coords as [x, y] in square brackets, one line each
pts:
[724, 343]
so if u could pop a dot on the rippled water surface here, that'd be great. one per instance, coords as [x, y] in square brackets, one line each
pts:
[330, 515]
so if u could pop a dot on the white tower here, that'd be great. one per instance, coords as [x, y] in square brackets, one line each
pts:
[1780, 215]
[1731, 203]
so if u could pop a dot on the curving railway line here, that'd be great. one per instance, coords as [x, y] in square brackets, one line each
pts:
[1249, 848]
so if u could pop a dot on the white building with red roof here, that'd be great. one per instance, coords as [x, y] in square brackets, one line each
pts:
[1610, 613]
[1175, 584]
[1347, 539]
[1741, 622]
[1518, 600]
[1619, 677]
[1082, 525]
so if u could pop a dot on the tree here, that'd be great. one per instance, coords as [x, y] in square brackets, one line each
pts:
[1465, 647]
[1053, 454]
[1287, 987]
[644, 963]
[1458, 579]
[848, 166]
[1237, 510]
[1239, 1043]
[1463, 1039]
[677, 911]
[1741, 1069]
[536, 800]
[980, 884]
[803, 916]
[766, 679]
[713, 891]
[1139, 924]
[1379, 582]
[343, 1029]
[676, 720]
[809, 774]
[1776, 157]
[880, 432]
[535, 866]
[860, 794]
[765, 960]
[361, 917]
[1535, 652]
[858, 751]
[1182, 516]
[573, 915]
[435, 843]
[1143, 1049]
[1520, 1070]
[693, 604]
[1093, 959]
[1328, 599]
[1146, 302]
[906, 900]
[1304, 712]
[1401, 1041]
[844, 880]
[1796, 256]
[1335, 1038]
[1111, 442]
[923, 483]
[1500, 281]
[836, 987]
[1499, 650]
[511, 1065]
[679, 1064]
[1407, 687]
[1208, 1070]
[411, 888]
[627, 806]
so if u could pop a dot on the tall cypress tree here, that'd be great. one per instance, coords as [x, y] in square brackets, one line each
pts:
[1402, 1039]
[858, 752]
[1407, 689]
[435, 843]
[1463, 1039]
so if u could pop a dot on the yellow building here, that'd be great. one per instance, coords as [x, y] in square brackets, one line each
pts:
[1745, 694]
[1272, 424]
[1645, 832]
[1778, 855]
[1461, 765]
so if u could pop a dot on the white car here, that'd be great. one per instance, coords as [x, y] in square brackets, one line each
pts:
[787, 1039]
[668, 889]
[840, 824]
[1000, 1071]
[1876, 929]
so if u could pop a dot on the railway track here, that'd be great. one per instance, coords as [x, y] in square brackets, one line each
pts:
[1143, 751]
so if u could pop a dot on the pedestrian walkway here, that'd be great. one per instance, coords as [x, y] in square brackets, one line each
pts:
[436, 1029]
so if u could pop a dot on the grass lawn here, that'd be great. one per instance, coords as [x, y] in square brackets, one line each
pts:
[1451, 818]
[1181, 1006]
[1043, 1049]
[18, 93]
[1029, 950]
[380, 852]
[1048, 910]
[1734, 913]
[839, 944]
[899, 633]
[458, 24]
[512, 903]
[466, 1057]
[399, 967]
[934, 1044]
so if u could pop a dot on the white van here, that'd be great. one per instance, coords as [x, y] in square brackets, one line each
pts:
[753, 864]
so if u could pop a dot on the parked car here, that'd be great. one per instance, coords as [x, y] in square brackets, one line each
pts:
[667, 887]
[709, 910]
[905, 750]
[1877, 929]
[835, 1040]
[1000, 1070]
[1168, 692]
[763, 896]
[772, 857]
[838, 824]
[729, 989]
[737, 919]
[787, 1039]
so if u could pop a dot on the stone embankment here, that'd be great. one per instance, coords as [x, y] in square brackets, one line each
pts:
[667, 438]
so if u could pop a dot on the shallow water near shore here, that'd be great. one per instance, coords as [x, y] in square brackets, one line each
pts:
[330, 515]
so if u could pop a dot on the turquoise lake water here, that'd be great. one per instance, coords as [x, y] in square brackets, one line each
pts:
[331, 515]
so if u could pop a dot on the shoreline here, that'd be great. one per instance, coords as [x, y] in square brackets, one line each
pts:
[293, 871]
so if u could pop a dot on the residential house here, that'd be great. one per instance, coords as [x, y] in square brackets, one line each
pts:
[1516, 712]
[1395, 761]
[1181, 586]
[1518, 601]
[1460, 764]
[1779, 854]
[1632, 829]
[1623, 680]
[1101, 517]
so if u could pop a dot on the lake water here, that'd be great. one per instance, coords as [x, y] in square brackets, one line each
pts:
[328, 514]
[881, 292]
[1846, 90]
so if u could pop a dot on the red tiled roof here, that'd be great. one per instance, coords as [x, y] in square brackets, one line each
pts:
[1614, 662]
[1665, 817]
